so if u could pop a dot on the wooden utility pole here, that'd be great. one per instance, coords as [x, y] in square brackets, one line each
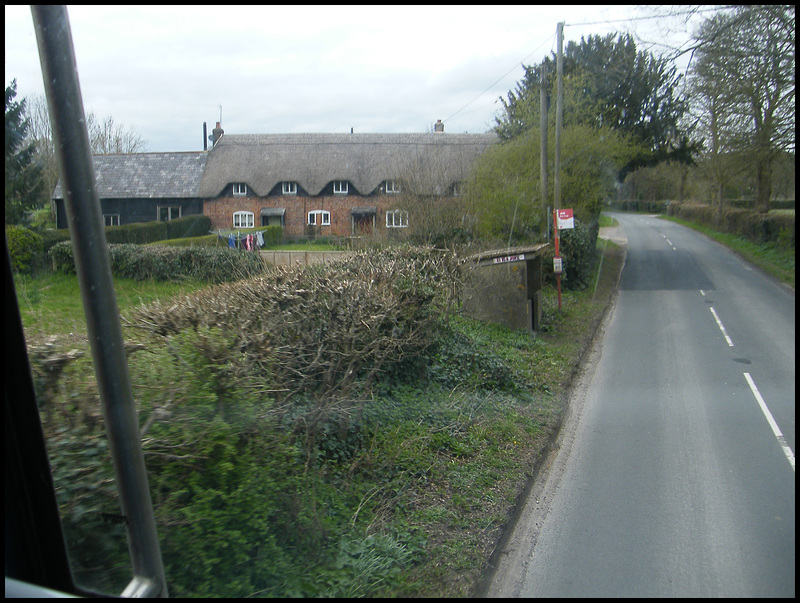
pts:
[559, 114]
[559, 124]
[543, 146]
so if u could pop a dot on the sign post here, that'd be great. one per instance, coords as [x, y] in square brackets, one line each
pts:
[563, 219]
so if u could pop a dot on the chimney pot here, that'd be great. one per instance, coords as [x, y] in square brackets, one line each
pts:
[216, 134]
[439, 126]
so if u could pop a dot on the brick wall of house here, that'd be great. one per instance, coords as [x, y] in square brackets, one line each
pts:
[221, 211]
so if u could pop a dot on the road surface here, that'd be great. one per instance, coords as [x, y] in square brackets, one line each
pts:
[674, 474]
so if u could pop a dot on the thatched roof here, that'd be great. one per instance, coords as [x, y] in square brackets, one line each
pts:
[429, 163]
[146, 175]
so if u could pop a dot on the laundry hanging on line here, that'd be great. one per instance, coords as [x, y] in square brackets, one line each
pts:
[247, 242]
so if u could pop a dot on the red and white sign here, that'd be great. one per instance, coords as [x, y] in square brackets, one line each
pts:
[564, 219]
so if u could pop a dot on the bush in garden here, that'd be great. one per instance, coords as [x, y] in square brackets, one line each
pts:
[24, 248]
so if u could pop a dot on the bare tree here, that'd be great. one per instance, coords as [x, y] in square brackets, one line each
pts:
[745, 84]
[106, 136]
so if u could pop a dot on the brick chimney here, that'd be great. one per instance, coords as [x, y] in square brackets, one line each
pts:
[216, 134]
[438, 126]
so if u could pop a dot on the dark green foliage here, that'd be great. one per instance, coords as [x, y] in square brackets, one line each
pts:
[628, 90]
[458, 363]
[24, 248]
[578, 248]
[142, 262]
[23, 186]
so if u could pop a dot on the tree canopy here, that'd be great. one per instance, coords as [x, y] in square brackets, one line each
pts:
[622, 88]
[23, 175]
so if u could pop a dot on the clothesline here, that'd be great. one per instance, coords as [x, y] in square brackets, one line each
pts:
[248, 242]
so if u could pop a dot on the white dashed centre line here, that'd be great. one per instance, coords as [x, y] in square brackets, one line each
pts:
[773, 425]
[722, 328]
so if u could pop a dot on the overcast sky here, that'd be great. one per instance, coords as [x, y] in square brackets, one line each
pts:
[162, 71]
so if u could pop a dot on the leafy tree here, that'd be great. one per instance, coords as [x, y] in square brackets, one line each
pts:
[504, 198]
[627, 90]
[744, 88]
[23, 175]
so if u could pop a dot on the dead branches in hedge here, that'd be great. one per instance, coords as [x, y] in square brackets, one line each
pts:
[323, 329]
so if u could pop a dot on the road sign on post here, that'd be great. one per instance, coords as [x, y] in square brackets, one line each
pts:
[564, 219]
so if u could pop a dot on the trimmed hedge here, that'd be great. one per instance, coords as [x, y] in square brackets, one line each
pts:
[771, 227]
[150, 232]
[159, 262]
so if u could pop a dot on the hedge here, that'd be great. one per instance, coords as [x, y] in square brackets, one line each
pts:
[159, 262]
[771, 227]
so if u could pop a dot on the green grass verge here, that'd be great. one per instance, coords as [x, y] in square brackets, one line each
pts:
[771, 258]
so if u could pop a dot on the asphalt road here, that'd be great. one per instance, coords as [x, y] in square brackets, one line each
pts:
[675, 470]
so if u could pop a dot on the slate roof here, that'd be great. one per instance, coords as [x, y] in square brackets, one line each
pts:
[147, 175]
[429, 163]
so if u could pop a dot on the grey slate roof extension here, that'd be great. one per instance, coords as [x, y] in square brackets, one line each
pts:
[429, 163]
[147, 175]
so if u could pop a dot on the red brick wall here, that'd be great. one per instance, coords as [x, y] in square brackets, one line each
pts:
[221, 211]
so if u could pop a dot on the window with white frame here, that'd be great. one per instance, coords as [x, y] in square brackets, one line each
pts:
[289, 188]
[239, 189]
[111, 219]
[392, 187]
[319, 217]
[459, 188]
[341, 187]
[397, 218]
[243, 219]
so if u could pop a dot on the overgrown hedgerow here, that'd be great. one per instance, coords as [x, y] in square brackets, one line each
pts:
[298, 426]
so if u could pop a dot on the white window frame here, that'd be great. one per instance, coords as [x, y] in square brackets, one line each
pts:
[392, 187]
[459, 189]
[239, 189]
[324, 217]
[397, 218]
[341, 187]
[111, 219]
[289, 188]
[244, 219]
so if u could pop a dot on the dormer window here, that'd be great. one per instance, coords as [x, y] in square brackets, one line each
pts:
[289, 188]
[392, 187]
[341, 187]
[239, 189]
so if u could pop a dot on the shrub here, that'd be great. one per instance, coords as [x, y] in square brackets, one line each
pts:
[578, 248]
[24, 248]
